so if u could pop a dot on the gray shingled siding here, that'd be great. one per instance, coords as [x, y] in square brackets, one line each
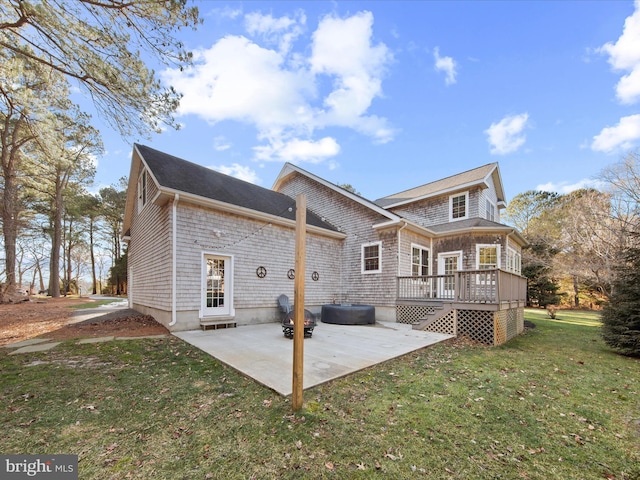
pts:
[356, 222]
[435, 211]
[252, 244]
[149, 257]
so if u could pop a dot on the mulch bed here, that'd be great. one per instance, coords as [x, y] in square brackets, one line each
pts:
[53, 318]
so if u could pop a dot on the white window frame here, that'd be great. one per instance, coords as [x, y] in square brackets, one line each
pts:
[421, 248]
[514, 261]
[487, 245]
[143, 189]
[363, 270]
[230, 311]
[466, 206]
[490, 210]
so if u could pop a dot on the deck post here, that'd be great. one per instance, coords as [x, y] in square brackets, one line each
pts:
[298, 300]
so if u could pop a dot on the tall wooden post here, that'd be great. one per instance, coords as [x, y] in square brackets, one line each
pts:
[298, 300]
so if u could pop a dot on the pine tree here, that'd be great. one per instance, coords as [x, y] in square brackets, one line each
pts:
[621, 315]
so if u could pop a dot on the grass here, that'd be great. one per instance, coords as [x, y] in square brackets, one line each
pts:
[95, 303]
[553, 403]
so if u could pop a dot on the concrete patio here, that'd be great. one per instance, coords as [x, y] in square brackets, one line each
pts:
[264, 354]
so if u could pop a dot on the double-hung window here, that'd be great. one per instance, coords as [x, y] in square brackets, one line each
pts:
[372, 257]
[419, 261]
[487, 257]
[490, 211]
[459, 206]
[142, 190]
[514, 261]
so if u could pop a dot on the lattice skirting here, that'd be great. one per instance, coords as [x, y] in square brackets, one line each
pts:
[476, 324]
[491, 328]
[412, 314]
[445, 324]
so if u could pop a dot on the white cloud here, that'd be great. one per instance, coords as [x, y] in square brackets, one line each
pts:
[220, 144]
[565, 187]
[624, 55]
[342, 50]
[281, 91]
[281, 31]
[446, 65]
[621, 135]
[506, 136]
[297, 150]
[238, 171]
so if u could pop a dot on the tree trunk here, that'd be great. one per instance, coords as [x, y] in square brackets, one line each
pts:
[93, 257]
[576, 291]
[56, 243]
[69, 268]
[10, 225]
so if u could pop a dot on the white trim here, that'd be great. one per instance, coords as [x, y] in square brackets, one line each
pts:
[441, 256]
[174, 268]
[494, 210]
[516, 266]
[246, 212]
[143, 189]
[421, 247]
[229, 276]
[289, 168]
[466, 205]
[370, 244]
[488, 245]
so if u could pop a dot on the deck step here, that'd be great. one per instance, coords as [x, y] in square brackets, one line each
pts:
[217, 324]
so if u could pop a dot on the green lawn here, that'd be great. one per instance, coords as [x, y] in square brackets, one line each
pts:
[553, 403]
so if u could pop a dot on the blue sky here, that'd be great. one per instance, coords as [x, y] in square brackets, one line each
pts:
[388, 95]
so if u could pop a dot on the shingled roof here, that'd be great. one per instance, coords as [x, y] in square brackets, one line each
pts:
[461, 180]
[180, 175]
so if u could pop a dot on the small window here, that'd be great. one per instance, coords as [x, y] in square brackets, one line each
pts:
[488, 257]
[419, 261]
[514, 261]
[142, 190]
[458, 206]
[490, 211]
[372, 257]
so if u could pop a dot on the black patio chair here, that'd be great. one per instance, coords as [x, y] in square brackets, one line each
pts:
[288, 315]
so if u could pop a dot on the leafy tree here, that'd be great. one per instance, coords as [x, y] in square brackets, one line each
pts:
[24, 90]
[100, 45]
[621, 315]
[118, 275]
[64, 163]
[535, 215]
[113, 201]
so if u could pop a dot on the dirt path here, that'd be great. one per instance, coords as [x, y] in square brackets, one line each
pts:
[55, 319]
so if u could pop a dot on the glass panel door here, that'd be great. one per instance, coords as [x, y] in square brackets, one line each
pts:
[448, 265]
[216, 296]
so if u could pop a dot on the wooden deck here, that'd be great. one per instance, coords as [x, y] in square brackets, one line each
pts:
[469, 289]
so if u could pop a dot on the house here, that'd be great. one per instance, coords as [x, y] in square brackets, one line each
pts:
[209, 250]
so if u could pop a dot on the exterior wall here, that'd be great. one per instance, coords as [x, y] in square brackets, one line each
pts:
[489, 194]
[252, 244]
[356, 221]
[407, 239]
[435, 211]
[149, 255]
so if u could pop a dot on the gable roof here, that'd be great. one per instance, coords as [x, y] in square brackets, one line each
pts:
[290, 169]
[475, 177]
[176, 175]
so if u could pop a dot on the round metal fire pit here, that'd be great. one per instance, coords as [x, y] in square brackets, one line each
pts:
[342, 314]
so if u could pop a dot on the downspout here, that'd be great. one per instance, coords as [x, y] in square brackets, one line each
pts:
[399, 246]
[399, 260]
[174, 250]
